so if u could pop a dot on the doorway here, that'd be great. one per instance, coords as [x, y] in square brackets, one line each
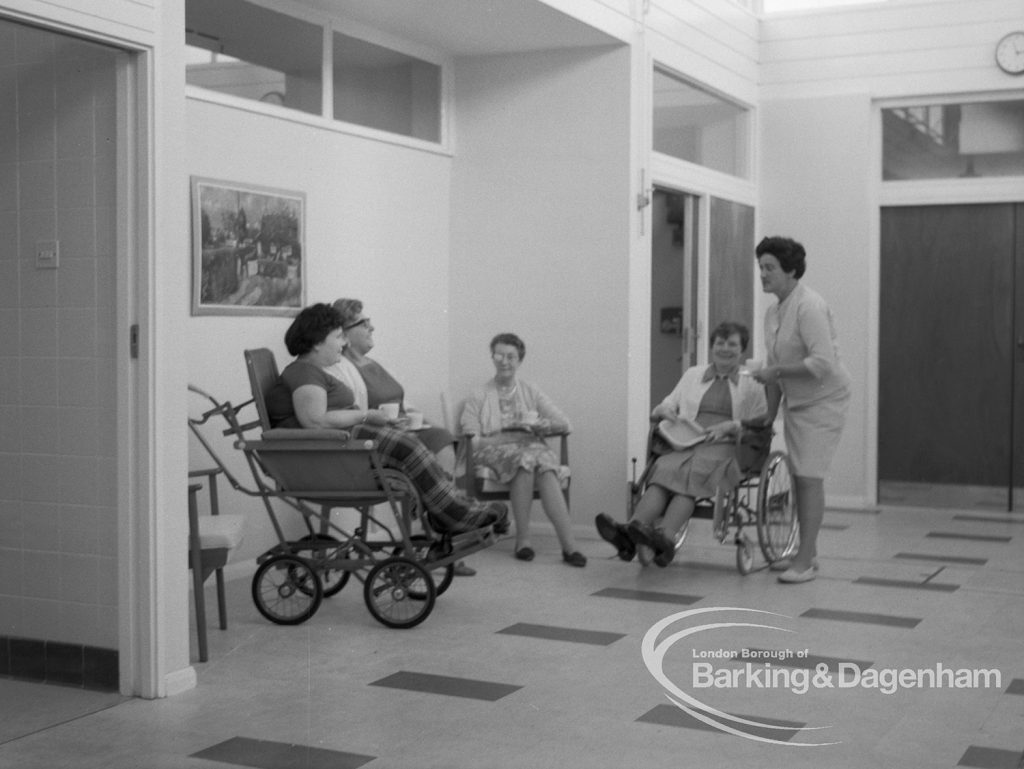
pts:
[674, 329]
[951, 356]
[59, 403]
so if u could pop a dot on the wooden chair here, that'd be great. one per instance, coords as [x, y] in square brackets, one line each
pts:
[480, 482]
[211, 538]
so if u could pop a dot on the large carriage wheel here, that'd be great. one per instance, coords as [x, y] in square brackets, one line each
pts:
[777, 531]
[286, 589]
[399, 592]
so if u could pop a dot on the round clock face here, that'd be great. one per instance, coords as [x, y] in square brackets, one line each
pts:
[1010, 53]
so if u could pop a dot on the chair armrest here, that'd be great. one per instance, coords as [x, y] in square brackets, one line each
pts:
[304, 434]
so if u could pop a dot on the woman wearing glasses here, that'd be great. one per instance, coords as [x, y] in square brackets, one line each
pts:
[373, 385]
[509, 418]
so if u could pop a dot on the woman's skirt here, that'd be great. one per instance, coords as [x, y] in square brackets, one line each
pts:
[698, 471]
[812, 434]
[515, 453]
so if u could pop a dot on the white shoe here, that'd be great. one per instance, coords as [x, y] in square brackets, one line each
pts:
[791, 576]
[784, 564]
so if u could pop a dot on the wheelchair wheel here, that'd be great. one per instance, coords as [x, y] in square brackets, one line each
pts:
[286, 589]
[442, 576]
[399, 592]
[777, 530]
[744, 557]
[322, 549]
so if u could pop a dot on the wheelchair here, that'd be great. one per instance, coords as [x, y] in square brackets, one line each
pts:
[765, 499]
[404, 564]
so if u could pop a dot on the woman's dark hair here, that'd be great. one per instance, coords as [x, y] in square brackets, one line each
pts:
[727, 328]
[791, 255]
[512, 340]
[310, 327]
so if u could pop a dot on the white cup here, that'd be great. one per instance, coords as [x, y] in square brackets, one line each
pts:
[415, 419]
[390, 410]
[530, 417]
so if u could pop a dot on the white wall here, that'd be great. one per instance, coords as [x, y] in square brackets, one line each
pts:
[540, 245]
[377, 229]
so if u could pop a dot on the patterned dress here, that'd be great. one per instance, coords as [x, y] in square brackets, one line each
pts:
[496, 415]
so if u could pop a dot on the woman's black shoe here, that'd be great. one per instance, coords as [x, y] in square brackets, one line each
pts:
[615, 534]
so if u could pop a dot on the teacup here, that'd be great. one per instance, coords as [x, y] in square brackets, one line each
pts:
[390, 410]
[530, 417]
[415, 420]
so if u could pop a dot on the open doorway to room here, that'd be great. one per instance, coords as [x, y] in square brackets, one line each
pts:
[61, 307]
[685, 305]
[674, 289]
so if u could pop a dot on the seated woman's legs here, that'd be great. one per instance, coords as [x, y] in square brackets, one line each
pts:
[553, 500]
[641, 528]
[520, 494]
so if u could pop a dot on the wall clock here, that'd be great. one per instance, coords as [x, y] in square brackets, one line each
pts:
[1010, 53]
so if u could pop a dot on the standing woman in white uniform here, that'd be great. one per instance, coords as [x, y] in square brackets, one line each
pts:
[803, 370]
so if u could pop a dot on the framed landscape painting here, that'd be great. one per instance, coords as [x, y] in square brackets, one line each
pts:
[247, 249]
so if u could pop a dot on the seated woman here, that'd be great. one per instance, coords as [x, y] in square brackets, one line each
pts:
[509, 417]
[718, 399]
[319, 400]
[373, 385]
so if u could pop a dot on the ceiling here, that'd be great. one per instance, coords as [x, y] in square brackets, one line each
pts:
[469, 27]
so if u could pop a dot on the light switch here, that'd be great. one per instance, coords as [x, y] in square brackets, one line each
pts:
[47, 254]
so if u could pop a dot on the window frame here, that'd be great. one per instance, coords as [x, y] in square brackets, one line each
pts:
[325, 120]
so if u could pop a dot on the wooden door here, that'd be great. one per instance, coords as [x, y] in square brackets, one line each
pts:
[947, 355]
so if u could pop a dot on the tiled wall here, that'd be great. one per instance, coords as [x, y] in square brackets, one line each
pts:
[58, 521]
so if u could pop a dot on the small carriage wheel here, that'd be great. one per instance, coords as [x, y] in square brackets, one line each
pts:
[776, 508]
[744, 557]
[399, 592]
[286, 589]
[323, 548]
[442, 575]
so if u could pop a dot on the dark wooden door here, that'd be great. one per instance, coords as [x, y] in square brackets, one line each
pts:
[948, 353]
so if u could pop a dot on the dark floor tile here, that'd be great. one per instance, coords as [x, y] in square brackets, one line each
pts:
[945, 558]
[991, 758]
[941, 587]
[987, 519]
[263, 754]
[648, 595]
[447, 685]
[1016, 686]
[972, 537]
[63, 663]
[28, 658]
[100, 669]
[670, 715]
[865, 617]
[552, 633]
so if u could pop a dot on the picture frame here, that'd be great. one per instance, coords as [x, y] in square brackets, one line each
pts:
[247, 249]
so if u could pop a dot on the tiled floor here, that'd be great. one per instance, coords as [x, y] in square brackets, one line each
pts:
[539, 664]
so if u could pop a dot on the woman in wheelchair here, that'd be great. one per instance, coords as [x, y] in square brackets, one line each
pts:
[312, 398]
[509, 418]
[717, 399]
